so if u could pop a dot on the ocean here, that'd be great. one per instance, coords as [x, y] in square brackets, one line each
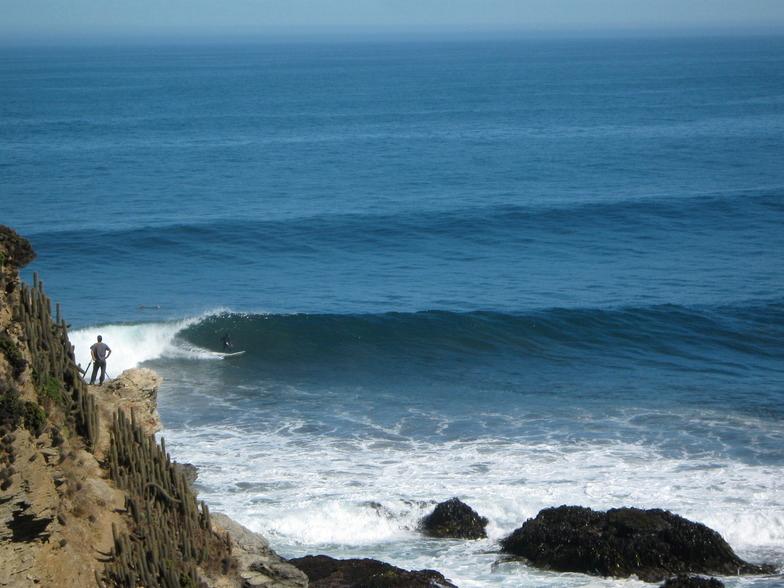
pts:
[522, 272]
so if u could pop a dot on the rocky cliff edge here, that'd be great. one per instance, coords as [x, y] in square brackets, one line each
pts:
[87, 497]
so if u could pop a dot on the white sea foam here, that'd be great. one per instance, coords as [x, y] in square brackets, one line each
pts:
[356, 497]
[338, 522]
[132, 344]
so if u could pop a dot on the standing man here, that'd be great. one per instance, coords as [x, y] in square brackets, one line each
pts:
[99, 352]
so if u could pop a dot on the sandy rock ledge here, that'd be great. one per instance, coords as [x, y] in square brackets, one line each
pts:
[259, 566]
[135, 392]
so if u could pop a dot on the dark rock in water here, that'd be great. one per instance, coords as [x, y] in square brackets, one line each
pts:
[327, 572]
[653, 544]
[692, 582]
[454, 519]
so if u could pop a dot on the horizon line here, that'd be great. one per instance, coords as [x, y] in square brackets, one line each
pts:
[363, 34]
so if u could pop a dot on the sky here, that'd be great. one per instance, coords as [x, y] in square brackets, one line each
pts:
[42, 20]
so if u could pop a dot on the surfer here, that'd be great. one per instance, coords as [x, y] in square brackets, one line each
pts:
[227, 344]
[99, 351]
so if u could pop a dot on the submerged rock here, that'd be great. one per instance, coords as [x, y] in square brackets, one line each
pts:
[653, 544]
[692, 582]
[454, 519]
[327, 572]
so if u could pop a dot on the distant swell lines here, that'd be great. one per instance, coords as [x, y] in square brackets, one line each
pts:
[507, 221]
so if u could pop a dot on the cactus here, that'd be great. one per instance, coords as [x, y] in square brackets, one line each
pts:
[162, 509]
[169, 533]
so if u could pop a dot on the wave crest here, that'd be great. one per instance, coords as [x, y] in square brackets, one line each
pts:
[741, 335]
[133, 344]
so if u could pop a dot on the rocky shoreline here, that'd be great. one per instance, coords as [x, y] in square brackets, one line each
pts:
[88, 498]
[135, 391]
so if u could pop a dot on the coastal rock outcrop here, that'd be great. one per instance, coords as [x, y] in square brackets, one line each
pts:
[258, 565]
[327, 572]
[55, 515]
[15, 250]
[135, 391]
[652, 544]
[454, 519]
[56, 507]
[190, 471]
[692, 582]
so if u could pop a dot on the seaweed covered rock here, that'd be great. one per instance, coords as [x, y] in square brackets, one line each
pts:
[652, 544]
[692, 582]
[454, 519]
[327, 572]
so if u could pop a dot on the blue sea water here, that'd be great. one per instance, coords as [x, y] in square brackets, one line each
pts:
[522, 272]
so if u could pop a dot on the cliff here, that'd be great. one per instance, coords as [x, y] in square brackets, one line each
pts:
[87, 496]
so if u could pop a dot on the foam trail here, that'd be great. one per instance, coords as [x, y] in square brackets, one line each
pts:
[132, 344]
[357, 498]
[322, 491]
[339, 522]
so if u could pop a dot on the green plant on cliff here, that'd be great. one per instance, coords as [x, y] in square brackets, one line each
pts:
[10, 410]
[34, 418]
[15, 412]
[12, 354]
[50, 389]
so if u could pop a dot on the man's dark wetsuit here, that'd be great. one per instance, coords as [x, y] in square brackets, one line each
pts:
[98, 351]
[227, 344]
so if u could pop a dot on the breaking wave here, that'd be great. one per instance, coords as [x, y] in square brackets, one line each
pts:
[740, 335]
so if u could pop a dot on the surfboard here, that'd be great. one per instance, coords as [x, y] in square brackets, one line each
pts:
[225, 355]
